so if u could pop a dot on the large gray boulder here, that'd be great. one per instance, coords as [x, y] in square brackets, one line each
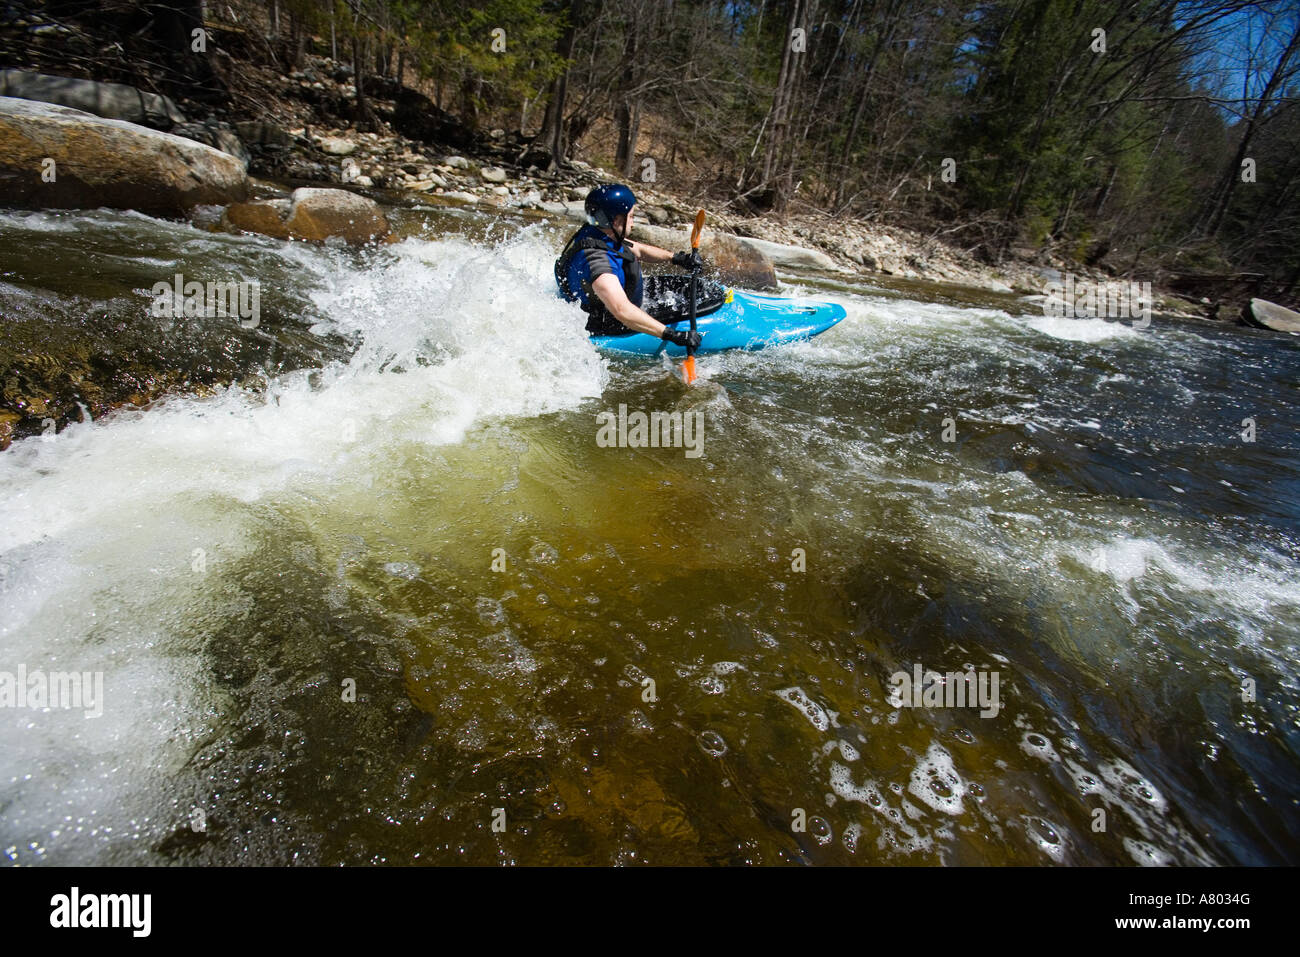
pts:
[794, 257]
[1269, 315]
[55, 157]
[114, 101]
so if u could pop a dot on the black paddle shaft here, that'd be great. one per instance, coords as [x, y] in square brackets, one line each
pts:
[695, 273]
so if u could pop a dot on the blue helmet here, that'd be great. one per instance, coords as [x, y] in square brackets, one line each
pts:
[606, 203]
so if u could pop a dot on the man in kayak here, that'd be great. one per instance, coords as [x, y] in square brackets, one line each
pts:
[601, 268]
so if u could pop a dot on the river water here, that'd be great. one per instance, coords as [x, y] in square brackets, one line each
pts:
[391, 600]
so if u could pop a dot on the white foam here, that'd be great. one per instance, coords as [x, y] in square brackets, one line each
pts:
[817, 716]
[1046, 837]
[1039, 746]
[936, 783]
[851, 837]
[99, 523]
[1127, 781]
[1147, 854]
[1082, 330]
[842, 784]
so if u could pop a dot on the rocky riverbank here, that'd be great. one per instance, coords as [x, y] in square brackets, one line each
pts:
[298, 139]
[55, 155]
[385, 164]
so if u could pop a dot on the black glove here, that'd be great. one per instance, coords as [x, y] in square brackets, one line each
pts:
[690, 341]
[688, 260]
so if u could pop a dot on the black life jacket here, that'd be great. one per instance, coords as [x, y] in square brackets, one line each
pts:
[600, 321]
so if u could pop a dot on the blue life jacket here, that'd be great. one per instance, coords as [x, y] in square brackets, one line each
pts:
[588, 255]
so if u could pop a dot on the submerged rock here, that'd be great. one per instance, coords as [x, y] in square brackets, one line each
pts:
[7, 422]
[55, 157]
[313, 215]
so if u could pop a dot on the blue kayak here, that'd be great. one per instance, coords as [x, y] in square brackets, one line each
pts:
[732, 320]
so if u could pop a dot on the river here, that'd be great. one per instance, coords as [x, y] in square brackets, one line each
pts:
[388, 600]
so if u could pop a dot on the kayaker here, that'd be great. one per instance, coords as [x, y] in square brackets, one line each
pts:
[601, 268]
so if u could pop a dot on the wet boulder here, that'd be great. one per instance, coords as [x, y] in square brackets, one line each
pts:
[266, 216]
[736, 261]
[54, 157]
[8, 421]
[313, 215]
[731, 259]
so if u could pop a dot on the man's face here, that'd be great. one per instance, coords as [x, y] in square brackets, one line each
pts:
[623, 224]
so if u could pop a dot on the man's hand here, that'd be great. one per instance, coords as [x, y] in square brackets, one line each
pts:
[689, 259]
[690, 341]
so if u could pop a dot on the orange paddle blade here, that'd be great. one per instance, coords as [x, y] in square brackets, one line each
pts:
[688, 370]
[699, 228]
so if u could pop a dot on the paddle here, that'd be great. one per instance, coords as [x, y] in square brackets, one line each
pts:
[688, 367]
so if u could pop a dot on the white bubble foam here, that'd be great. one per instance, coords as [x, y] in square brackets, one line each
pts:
[1127, 781]
[1082, 330]
[98, 523]
[936, 783]
[818, 717]
[1039, 746]
[851, 837]
[1147, 854]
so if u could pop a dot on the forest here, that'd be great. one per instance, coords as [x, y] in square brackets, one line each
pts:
[1139, 135]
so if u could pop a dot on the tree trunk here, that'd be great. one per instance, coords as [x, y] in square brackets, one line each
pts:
[299, 33]
[173, 27]
[365, 118]
[553, 127]
[777, 157]
[883, 39]
[628, 113]
[777, 113]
